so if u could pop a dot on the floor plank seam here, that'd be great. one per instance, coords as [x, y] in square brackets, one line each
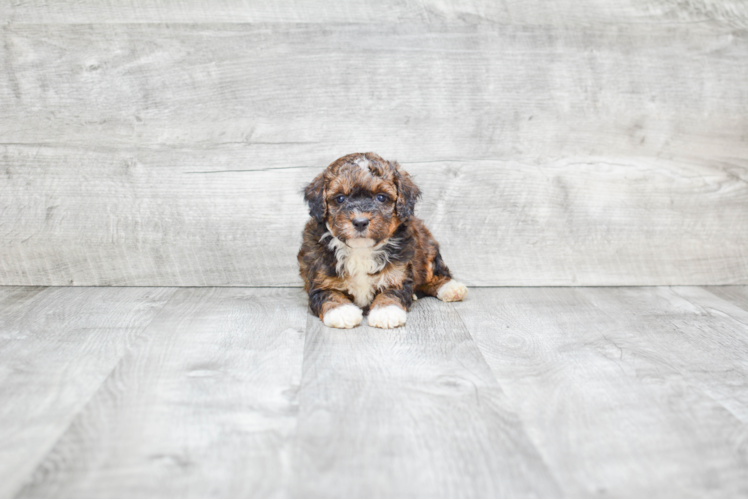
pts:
[539, 451]
[30, 480]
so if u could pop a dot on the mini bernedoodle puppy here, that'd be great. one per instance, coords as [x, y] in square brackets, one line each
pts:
[363, 250]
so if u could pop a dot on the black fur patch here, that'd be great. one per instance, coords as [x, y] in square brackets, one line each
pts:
[408, 193]
[440, 268]
[316, 299]
[314, 195]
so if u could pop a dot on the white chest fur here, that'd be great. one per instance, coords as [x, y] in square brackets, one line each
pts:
[361, 268]
[359, 265]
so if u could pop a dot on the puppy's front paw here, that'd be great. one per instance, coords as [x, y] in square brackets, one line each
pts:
[387, 317]
[345, 316]
[451, 291]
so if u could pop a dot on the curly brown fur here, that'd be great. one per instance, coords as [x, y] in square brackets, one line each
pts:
[363, 250]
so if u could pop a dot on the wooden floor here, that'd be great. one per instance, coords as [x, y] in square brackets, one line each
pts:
[522, 392]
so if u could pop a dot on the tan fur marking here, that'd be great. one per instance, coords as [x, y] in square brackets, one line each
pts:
[385, 300]
[331, 282]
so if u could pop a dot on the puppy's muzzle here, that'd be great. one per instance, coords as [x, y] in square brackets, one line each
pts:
[360, 223]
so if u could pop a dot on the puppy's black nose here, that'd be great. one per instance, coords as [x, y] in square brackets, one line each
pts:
[360, 223]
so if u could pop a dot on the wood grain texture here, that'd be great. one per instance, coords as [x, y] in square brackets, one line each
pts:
[573, 392]
[579, 153]
[409, 412]
[414, 92]
[712, 354]
[188, 218]
[729, 12]
[738, 295]
[128, 218]
[625, 392]
[206, 407]
[57, 346]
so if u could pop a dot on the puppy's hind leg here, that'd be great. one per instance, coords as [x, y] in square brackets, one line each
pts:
[445, 289]
[439, 282]
[451, 291]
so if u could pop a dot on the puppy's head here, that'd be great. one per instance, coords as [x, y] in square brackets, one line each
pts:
[362, 198]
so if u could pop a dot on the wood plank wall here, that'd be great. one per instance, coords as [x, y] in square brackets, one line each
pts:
[557, 143]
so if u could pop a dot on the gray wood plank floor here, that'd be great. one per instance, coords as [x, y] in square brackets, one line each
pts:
[523, 392]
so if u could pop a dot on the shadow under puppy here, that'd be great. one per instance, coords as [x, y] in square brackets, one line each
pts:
[363, 250]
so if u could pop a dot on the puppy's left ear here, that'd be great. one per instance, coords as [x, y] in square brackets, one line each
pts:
[407, 192]
[314, 195]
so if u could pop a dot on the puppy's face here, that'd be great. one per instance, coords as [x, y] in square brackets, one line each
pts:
[361, 206]
[362, 198]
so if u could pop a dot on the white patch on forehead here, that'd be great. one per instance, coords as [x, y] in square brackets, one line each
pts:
[363, 163]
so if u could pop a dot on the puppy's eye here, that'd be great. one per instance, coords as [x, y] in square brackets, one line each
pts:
[381, 198]
[339, 199]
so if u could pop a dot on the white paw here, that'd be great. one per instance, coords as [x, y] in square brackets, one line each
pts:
[345, 316]
[451, 291]
[387, 317]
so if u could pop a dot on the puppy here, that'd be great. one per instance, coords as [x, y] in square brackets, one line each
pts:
[363, 250]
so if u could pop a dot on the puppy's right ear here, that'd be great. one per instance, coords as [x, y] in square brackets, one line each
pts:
[314, 195]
